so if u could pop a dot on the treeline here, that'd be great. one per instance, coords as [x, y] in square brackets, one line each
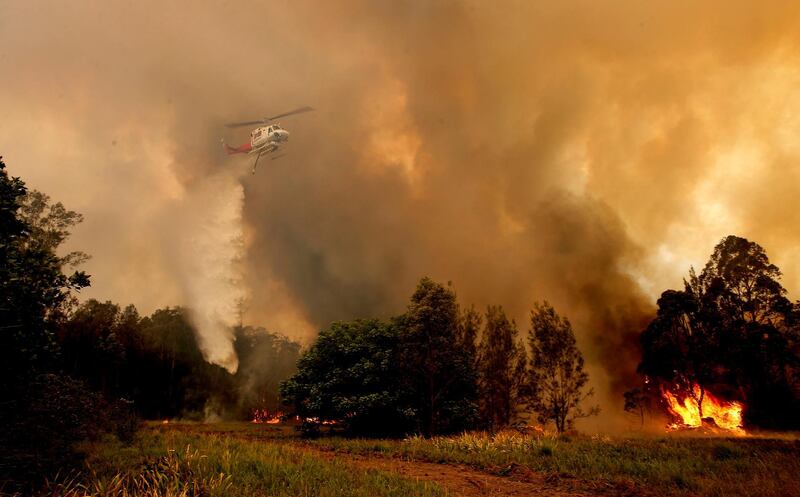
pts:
[72, 372]
[439, 369]
[731, 331]
[155, 363]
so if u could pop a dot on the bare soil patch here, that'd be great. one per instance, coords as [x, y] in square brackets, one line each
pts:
[465, 481]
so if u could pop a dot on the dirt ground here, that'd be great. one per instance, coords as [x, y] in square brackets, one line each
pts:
[468, 482]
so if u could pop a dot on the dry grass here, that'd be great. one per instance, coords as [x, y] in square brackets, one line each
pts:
[667, 465]
[172, 475]
[167, 463]
[238, 459]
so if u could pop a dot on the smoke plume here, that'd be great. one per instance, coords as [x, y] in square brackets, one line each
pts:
[580, 152]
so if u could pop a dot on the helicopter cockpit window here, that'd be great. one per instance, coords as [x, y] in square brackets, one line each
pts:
[257, 134]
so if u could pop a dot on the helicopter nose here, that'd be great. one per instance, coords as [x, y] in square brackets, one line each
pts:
[284, 135]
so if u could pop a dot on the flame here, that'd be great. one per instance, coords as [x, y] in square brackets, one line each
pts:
[687, 412]
[263, 416]
[316, 420]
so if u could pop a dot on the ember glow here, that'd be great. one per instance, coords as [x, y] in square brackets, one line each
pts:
[263, 416]
[702, 407]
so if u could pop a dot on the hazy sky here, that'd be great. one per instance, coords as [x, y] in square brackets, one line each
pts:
[582, 152]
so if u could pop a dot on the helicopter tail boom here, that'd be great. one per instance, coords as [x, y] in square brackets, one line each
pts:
[241, 149]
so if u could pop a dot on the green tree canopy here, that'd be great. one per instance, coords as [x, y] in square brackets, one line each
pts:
[416, 373]
[351, 376]
[438, 359]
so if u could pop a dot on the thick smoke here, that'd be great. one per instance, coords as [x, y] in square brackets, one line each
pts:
[585, 153]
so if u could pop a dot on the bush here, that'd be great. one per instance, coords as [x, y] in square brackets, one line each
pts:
[45, 424]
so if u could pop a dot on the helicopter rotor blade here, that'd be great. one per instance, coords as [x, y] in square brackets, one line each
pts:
[290, 113]
[245, 123]
[271, 118]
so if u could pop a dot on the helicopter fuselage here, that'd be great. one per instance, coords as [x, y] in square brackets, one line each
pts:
[265, 137]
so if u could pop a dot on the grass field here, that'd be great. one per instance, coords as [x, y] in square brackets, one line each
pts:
[184, 462]
[241, 459]
[666, 465]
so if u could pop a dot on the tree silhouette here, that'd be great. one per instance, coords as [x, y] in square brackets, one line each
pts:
[438, 360]
[731, 330]
[501, 369]
[557, 377]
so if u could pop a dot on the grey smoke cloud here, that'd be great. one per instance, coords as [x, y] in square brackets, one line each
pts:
[578, 152]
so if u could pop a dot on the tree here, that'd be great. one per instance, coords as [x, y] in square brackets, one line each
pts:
[90, 345]
[679, 347]
[557, 377]
[742, 283]
[49, 225]
[34, 296]
[501, 369]
[470, 327]
[438, 362]
[179, 381]
[351, 376]
[731, 330]
[265, 360]
[34, 292]
[636, 403]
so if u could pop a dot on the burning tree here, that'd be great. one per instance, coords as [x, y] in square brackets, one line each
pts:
[731, 330]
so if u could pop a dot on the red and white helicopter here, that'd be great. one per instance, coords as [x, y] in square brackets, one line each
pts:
[264, 139]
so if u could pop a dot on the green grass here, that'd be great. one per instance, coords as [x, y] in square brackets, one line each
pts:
[241, 459]
[668, 465]
[177, 462]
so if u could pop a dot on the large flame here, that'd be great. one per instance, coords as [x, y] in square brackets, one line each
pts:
[693, 409]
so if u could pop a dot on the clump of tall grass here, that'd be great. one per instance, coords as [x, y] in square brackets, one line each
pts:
[503, 441]
[177, 474]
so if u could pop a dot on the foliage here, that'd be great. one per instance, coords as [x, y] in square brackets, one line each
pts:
[502, 363]
[58, 413]
[416, 373]
[557, 376]
[48, 226]
[636, 403]
[731, 330]
[34, 292]
[265, 359]
[34, 296]
[351, 376]
[438, 360]
[156, 363]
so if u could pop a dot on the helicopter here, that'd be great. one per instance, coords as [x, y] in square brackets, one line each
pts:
[265, 139]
